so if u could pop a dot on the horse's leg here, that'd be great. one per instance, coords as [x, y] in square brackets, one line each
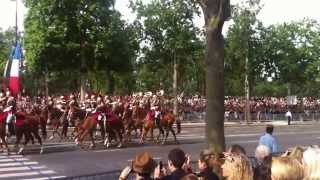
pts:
[108, 139]
[144, 134]
[165, 138]
[161, 132]
[27, 135]
[64, 132]
[92, 140]
[19, 134]
[36, 134]
[151, 131]
[43, 126]
[4, 142]
[102, 129]
[174, 135]
[117, 132]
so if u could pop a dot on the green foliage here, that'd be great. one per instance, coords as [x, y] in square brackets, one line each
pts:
[79, 36]
[7, 38]
[169, 33]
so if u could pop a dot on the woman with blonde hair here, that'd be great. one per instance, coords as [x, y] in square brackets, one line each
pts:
[237, 167]
[311, 162]
[286, 168]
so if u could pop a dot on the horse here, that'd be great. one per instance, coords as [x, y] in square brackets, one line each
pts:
[87, 127]
[42, 112]
[3, 117]
[55, 118]
[114, 128]
[166, 123]
[27, 125]
[138, 115]
[148, 125]
[78, 116]
[128, 122]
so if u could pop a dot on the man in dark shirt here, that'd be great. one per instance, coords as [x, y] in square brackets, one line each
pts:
[176, 159]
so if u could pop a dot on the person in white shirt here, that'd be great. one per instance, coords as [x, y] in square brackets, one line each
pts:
[289, 116]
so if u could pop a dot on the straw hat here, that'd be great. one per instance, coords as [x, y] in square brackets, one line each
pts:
[143, 163]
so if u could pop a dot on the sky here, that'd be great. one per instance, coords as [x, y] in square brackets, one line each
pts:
[273, 12]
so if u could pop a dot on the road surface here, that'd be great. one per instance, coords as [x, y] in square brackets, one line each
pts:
[66, 159]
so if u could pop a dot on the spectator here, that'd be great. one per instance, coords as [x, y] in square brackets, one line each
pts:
[261, 152]
[296, 153]
[311, 161]
[237, 150]
[176, 159]
[237, 167]
[268, 140]
[289, 116]
[190, 177]
[260, 171]
[205, 164]
[285, 168]
[142, 166]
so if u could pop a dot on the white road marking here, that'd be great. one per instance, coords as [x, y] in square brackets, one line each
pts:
[18, 164]
[13, 160]
[22, 168]
[47, 178]
[9, 175]
[18, 167]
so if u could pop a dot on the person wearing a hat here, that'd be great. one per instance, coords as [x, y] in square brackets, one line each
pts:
[142, 166]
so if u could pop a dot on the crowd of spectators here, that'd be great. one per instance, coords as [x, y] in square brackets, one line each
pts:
[299, 163]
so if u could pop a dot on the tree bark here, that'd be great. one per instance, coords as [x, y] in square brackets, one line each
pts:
[82, 73]
[215, 13]
[247, 93]
[175, 85]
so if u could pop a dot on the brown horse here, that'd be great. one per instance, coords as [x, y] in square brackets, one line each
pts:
[114, 128]
[3, 117]
[166, 123]
[138, 116]
[42, 113]
[128, 122]
[148, 125]
[55, 118]
[27, 125]
[87, 127]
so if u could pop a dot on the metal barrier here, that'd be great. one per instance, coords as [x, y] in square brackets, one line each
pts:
[305, 116]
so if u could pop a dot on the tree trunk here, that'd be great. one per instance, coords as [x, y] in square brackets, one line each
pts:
[82, 73]
[110, 83]
[46, 84]
[247, 93]
[215, 13]
[175, 85]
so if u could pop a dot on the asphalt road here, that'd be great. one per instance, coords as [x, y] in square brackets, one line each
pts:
[65, 159]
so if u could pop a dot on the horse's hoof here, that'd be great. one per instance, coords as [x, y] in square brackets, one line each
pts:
[163, 143]
[41, 150]
[92, 146]
[108, 145]
[119, 146]
[20, 152]
[51, 137]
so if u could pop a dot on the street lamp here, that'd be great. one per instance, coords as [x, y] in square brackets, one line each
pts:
[16, 20]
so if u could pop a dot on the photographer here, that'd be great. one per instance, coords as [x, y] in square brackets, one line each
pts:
[142, 166]
[176, 160]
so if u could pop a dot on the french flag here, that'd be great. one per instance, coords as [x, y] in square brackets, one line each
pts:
[13, 70]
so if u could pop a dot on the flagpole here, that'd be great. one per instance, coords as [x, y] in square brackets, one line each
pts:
[16, 22]
[16, 28]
